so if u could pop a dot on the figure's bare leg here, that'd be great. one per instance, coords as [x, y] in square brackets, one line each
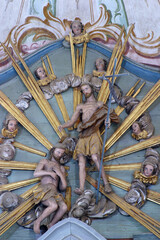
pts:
[59, 214]
[51, 207]
[96, 159]
[82, 174]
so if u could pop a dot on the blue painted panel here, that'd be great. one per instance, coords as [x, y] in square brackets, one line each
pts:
[146, 236]
[11, 73]
[139, 70]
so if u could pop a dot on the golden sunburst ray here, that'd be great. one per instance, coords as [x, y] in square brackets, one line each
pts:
[151, 142]
[19, 184]
[151, 224]
[15, 112]
[117, 53]
[151, 195]
[144, 104]
[118, 109]
[35, 90]
[28, 149]
[118, 167]
[58, 97]
[9, 218]
[20, 165]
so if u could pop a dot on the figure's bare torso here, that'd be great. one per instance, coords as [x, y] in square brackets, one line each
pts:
[88, 109]
[50, 166]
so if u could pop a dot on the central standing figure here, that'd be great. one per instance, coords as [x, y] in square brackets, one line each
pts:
[93, 113]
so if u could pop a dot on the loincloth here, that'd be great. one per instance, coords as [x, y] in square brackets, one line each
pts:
[88, 146]
[45, 192]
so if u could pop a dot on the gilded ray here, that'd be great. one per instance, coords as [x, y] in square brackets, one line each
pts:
[28, 149]
[151, 224]
[20, 165]
[144, 104]
[117, 53]
[13, 216]
[58, 97]
[27, 194]
[110, 66]
[118, 167]
[151, 142]
[151, 195]
[15, 112]
[35, 90]
[118, 109]
[16, 185]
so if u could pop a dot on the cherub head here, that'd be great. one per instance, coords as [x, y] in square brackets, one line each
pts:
[77, 28]
[137, 131]
[40, 73]
[101, 65]
[150, 165]
[11, 124]
[148, 170]
[136, 128]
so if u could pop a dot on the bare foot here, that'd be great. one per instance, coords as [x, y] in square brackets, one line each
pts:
[78, 191]
[36, 227]
[107, 188]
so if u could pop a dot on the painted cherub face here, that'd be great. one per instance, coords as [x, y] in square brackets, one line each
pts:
[136, 128]
[148, 170]
[58, 153]
[100, 65]
[76, 28]
[41, 73]
[12, 125]
[87, 90]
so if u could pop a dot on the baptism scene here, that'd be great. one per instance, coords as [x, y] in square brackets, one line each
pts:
[79, 118]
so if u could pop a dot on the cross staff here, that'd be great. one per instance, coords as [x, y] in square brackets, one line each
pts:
[108, 113]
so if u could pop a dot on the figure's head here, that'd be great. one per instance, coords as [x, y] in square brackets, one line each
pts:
[57, 151]
[150, 166]
[101, 64]
[40, 73]
[148, 170]
[136, 128]
[77, 27]
[11, 124]
[86, 89]
[7, 152]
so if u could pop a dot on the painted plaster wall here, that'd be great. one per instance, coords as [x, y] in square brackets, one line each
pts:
[12, 13]
[145, 14]
[144, 42]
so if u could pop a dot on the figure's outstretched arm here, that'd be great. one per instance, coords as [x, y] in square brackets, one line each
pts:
[73, 119]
